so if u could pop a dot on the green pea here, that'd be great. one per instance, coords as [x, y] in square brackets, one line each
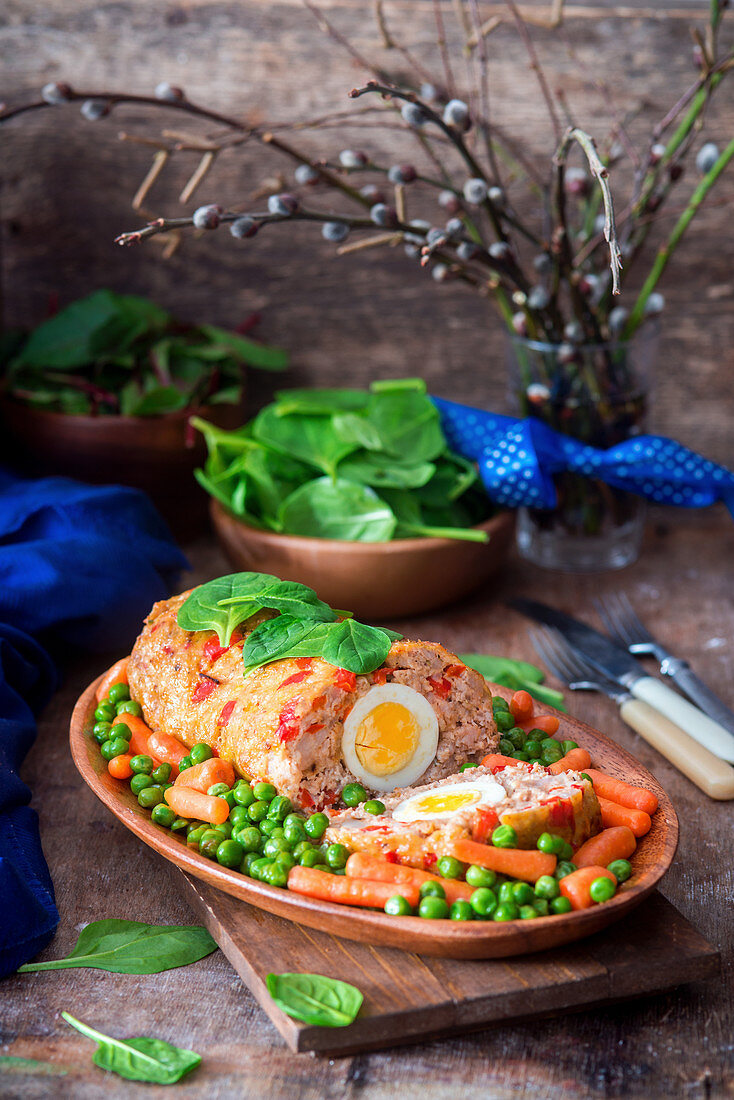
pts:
[505, 721]
[374, 806]
[285, 859]
[247, 862]
[224, 828]
[142, 764]
[564, 867]
[257, 811]
[268, 826]
[541, 906]
[325, 867]
[259, 866]
[505, 893]
[467, 767]
[560, 905]
[550, 743]
[238, 816]
[105, 712]
[264, 792]
[180, 824]
[431, 889]
[163, 815]
[301, 847]
[461, 910]
[508, 911]
[294, 830]
[533, 749]
[209, 843]
[150, 797]
[547, 887]
[527, 912]
[566, 851]
[217, 790]
[506, 747]
[273, 845]
[280, 807]
[484, 902]
[480, 876]
[243, 794]
[499, 705]
[568, 745]
[310, 858]
[101, 728]
[113, 748]
[433, 908]
[504, 836]
[118, 693]
[316, 825]
[523, 893]
[621, 869]
[140, 781]
[162, 773]
[129, 706]
[550, 843]
[184, 764]
[448, 867]
[397, 906]
[602, 889]
[249, 837]
[230, 853]
[518, 737]
[337, 856]
[520, 754]
[194, 834]
[276, 874]
[551, 756]
[353, 794]
[200, 752]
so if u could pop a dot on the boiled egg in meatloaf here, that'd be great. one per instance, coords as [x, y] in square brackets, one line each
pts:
[450, 799]
[390, 737]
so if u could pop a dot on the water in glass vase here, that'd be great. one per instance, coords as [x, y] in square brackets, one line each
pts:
[597, 393]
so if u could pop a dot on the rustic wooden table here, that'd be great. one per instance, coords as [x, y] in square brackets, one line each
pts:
[676, 1045]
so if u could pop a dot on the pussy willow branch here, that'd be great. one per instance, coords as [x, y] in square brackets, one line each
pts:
[600, 172]
[115, 98]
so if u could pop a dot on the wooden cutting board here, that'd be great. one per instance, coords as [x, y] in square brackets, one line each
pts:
[410, 998]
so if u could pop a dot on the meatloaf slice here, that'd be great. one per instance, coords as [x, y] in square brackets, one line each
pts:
[284, 722]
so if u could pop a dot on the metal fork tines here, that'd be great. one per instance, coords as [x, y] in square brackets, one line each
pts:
[622, 622]
[569, 666]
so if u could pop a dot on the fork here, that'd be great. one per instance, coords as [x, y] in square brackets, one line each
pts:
[622, 622]
[711, 774]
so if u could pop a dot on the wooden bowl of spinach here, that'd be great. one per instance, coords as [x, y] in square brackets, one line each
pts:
[356, 494]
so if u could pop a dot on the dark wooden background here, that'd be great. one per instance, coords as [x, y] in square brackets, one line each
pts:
[68, 185]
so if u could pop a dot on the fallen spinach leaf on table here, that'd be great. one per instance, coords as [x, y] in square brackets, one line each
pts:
[138, 1059]
[315, 999]
[132, 947]
[518, 675]
[9, 1063]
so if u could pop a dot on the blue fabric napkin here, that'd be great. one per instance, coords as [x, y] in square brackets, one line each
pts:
[80, 566]
[518, 458]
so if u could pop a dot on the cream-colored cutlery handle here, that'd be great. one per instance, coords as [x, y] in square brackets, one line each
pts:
[714, 776]
[700, 727]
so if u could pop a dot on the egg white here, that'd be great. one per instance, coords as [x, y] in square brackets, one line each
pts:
[487, 793]
[425, 750]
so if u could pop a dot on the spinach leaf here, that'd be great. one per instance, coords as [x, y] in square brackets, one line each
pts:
[9, 1063]
[156, 401]
[337, 509]
[67, 339]
[282, 637]
[139, 1059]
[288, 597]
[408, 424]
[132, 947]
[203, 610]
[323, 402]
[518, 675]
[357, 429]
[348, 644]
[356, 647]
[383, 470]
[315, 999]
[309, 438]
[257, 355]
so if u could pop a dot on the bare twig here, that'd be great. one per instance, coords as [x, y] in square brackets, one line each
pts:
[159, 162]
[600, 172]
[198, 176]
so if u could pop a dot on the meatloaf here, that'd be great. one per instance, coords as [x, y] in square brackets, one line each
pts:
[529, 798]
[284, 722]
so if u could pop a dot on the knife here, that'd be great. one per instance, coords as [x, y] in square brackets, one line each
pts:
[616, 663]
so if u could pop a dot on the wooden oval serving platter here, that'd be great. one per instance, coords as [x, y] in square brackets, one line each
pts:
[451, 939]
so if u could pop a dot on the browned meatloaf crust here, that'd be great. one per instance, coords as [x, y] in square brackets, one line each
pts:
[284, 722]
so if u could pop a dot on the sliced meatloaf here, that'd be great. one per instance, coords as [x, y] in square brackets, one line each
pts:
[284, 722]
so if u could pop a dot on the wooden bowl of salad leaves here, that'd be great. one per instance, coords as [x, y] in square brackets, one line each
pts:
[103, 392]
[356, 494]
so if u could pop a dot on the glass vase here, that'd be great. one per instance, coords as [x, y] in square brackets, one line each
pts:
[599, 394]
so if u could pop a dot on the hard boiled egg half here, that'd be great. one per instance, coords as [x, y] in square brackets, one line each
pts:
[452, 798]
[390, 737]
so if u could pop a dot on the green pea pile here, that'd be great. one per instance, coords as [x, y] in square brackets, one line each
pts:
[535, 746]
[114, 740]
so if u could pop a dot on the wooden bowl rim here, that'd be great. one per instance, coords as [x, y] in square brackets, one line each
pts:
[452, 939]
[114, 421]
[493, 525]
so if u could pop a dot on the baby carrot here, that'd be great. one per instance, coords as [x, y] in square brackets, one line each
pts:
[203, 776]
[139, 733]
[186, 802]
[548, 723]
[624, 794]
[618, 842]
[575, 760]
[116, 675]
[613, 814]
[576, 886]
[348, 891]
[522, 706]
[119, 766]
[166, 748]
[364, 866]
[496, 761]
[516, 862]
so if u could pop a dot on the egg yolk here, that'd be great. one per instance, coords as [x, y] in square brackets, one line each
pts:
[386, 739]
[446, 803]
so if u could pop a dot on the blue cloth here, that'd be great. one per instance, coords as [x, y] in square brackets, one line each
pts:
[518, 458]
[80, 566]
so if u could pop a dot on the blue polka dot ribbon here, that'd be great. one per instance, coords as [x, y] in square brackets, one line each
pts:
[518, 458]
